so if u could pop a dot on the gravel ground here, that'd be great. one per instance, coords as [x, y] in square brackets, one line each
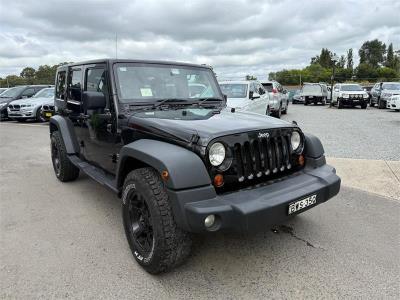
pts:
[66, 240]
[351, 133]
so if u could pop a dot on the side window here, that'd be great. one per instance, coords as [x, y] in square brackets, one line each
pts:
[60, 85]
[28, 92]
[260, 89]
[74, 85]
[96, 80]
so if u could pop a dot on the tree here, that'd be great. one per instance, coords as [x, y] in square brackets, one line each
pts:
[350, 62]
[45, 74]
[28, 72]
[365, 71]
[390, 58]
[386, 73]
[373, 53]
[251, 77]
[324, 59]
[342, 62]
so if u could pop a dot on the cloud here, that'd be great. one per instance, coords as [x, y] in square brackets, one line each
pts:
[236, 37]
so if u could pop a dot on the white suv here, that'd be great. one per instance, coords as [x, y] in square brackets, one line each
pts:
[246, 95]
[351, 94]
[279, 99]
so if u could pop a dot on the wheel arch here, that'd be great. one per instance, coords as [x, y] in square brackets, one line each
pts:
[185, 168]
[66, 129]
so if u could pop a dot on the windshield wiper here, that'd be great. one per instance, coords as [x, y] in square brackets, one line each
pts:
[171, 101]
[204, 100]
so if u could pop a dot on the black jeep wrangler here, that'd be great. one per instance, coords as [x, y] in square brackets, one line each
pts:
[159, 134]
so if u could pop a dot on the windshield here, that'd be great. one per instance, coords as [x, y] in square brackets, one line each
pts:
[234, 90]
[351, 87]
[45, 93]
[391, 86]
[12, 92]
[141, 82]
[268, 86]
[312, 88]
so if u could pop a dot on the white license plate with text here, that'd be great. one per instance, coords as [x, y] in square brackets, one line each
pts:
[302, 204]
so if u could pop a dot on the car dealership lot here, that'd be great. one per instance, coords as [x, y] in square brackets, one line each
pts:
[65, 240]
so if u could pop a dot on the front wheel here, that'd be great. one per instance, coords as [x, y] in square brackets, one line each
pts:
[156, 242]
[381, 105]
[339, 104]
[39, 116]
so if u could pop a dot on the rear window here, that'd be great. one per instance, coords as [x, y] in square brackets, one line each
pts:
[268, 86]
[312, 88]
[234, 90]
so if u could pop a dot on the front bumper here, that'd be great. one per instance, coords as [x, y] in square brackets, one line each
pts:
[394, 104]
[353, 101]
[21, 114]
[254, 208]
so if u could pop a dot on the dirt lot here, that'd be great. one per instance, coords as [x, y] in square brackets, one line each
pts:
[67, 240]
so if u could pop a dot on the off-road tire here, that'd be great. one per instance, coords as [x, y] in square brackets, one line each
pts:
[170, 245]
[63, 168]
[305, 102]
[364, 105]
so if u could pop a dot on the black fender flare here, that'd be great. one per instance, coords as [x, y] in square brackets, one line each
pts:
[313, 147]
[66, 128]
[185, 168]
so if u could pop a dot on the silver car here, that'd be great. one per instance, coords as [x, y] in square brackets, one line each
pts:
[279, 98]
[30, 108]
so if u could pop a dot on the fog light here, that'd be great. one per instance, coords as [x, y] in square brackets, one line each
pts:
[209, 221]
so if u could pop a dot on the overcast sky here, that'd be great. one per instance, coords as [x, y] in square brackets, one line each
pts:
[235, 37]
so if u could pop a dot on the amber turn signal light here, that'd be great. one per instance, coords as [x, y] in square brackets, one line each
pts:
[301, 160]
[165, 175]
[218, 180]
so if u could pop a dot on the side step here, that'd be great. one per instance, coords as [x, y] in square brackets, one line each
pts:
[95, 173]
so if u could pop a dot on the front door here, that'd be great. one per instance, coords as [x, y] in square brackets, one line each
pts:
[98, 137]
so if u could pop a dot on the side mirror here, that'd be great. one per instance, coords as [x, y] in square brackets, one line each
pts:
[93, 100]
[24, 97]
[254, 96]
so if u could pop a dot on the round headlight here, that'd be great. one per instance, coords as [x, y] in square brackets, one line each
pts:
[295, 140]
[216, 154]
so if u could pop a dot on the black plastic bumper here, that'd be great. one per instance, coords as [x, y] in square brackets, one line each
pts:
[349, 101]
[256, 208]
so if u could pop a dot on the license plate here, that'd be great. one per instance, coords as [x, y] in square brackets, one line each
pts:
[48, 114]
[302, 204]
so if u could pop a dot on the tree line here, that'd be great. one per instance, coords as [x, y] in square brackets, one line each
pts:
[44, 74]
[377, 62]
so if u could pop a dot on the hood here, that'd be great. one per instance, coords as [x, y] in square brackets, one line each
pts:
[206, 129]
[354, 92]
[34, 101]
[391, 92]
[237, 102]
[5, 100]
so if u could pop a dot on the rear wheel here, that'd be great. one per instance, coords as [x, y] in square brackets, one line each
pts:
[156, 242]
[284, 112]
[63, 168]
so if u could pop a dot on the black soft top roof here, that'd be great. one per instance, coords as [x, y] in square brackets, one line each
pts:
[115, 60]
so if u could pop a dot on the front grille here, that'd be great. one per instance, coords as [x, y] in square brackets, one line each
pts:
[14, 107]
[259, 157]
[262, 156]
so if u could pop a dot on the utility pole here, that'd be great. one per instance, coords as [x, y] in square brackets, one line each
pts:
[334, 59]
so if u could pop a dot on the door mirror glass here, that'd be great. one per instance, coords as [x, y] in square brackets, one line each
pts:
[94, 100]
